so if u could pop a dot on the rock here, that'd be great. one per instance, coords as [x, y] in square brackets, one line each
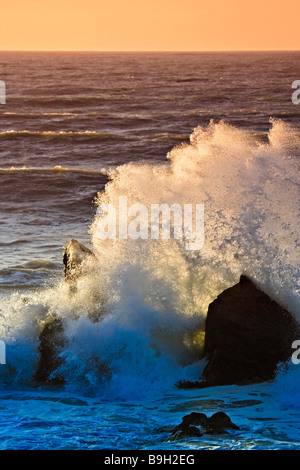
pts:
[185, 431]
[73, 257]
[191, 420]
[246, 335]
[166, 429]
[51, 343]
[188, 384]
[218, 423]
[221, 419]
[196, 419]
[51, 338]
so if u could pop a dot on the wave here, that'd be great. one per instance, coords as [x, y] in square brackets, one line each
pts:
[150, 296]
[55, 169]
[65, 134]
[250, 190]
[32, 265]
[14, 242]
[36, 114]
[62, 97]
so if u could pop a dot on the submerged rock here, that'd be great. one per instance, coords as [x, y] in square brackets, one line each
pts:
[73, 257]
[246, 335]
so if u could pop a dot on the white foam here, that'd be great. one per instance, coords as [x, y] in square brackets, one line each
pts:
[150, 295]
[250, 191]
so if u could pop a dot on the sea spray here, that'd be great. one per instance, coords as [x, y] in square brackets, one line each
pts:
[250, 190]
[135, 321]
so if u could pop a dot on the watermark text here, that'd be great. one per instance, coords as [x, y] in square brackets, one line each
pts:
[2, 92]
[161, 222]
[296, 94]
[2, 352]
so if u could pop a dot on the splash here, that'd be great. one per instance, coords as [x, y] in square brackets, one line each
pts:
[130, 324]
[250, 191]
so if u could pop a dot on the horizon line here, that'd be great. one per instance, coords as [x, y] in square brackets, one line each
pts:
[150, 51]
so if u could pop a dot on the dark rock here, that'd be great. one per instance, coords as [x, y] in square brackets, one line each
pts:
[196, 419]
[246, 335]
[193, 419]
[51, 338]
[185, 431]
[188, 384]
[166, 429]
[218, 423]
[51, 343]
[73, 257]
[221, 420]
[215, 430]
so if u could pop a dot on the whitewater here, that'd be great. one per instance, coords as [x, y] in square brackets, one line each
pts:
[134, 325]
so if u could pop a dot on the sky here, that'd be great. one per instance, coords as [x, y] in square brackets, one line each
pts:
[149, 25]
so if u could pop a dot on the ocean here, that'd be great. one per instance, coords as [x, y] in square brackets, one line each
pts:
[82, 129]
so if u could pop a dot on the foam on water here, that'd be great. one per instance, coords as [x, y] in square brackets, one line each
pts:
[150, 296]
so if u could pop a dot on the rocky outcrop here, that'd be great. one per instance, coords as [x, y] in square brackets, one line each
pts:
[198, 424]
[247, 334]
[52, 339]
[51, 342]
[73, 257]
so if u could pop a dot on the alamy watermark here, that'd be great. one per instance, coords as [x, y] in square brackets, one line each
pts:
[296, 354]
[296, 94]
[2, 352]
[2, 92]
[161, 222]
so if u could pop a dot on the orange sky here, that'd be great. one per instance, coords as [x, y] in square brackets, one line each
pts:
[150, 25]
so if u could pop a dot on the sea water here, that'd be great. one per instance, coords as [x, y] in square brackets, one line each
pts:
[82, 129]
